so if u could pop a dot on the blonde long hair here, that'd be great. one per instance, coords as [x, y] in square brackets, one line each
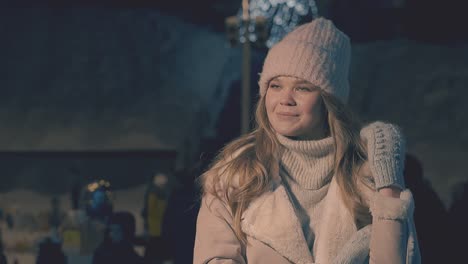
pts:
[244, 168]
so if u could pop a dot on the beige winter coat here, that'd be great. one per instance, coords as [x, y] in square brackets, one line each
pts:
[275, 236]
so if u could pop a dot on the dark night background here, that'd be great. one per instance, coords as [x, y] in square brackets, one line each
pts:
[120, 89]
[155, 75]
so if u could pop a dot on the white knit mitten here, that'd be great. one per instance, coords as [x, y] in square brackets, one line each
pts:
[386, 154]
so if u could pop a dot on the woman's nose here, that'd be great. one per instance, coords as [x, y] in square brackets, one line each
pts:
[287, 98]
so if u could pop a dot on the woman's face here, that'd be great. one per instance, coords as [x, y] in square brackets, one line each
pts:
[295, 108]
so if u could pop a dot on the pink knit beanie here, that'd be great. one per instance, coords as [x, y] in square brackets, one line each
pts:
[317, 52]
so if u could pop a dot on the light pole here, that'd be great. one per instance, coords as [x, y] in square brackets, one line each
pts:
[245, 97]
[246, 31]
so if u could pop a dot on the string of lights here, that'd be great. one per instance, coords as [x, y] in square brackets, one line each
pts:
[281, 16]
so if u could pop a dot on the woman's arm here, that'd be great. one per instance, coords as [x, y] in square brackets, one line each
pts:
[215, 241]
[391, 207]
[389, 233]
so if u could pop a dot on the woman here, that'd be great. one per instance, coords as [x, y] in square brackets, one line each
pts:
[308, 185]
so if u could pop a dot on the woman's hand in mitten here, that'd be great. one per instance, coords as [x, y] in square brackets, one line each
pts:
[386, 152]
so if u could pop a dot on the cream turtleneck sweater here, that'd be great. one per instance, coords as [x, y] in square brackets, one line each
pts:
[307, 169]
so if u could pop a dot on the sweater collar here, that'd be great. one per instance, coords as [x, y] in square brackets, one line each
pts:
[308, 162]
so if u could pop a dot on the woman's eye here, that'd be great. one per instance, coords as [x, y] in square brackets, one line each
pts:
[304, 89]
[274, 86]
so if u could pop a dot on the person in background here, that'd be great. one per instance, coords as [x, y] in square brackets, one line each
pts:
[97, 199]
[458, 219]
[50, 251]
[99, 206]
[309, 184]
[432, 241]
[117, 246]
[56, 215]
[155, 203]
[3, 259]
[180, 219]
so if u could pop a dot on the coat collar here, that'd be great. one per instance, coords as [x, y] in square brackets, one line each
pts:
[271, 219]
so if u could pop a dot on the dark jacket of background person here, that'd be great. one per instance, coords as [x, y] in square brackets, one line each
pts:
[118, 252]
[180, 220]
[430, 214]
[458, 224]
[50, 252]
[121, 253]
[3, 259]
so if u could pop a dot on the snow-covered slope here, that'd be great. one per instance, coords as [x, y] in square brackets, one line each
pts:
[104, 78]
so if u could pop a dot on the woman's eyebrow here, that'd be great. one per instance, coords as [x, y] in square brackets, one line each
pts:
[275, 80]
[303, 82]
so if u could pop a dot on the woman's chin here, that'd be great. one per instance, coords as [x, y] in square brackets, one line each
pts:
[287, 133]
